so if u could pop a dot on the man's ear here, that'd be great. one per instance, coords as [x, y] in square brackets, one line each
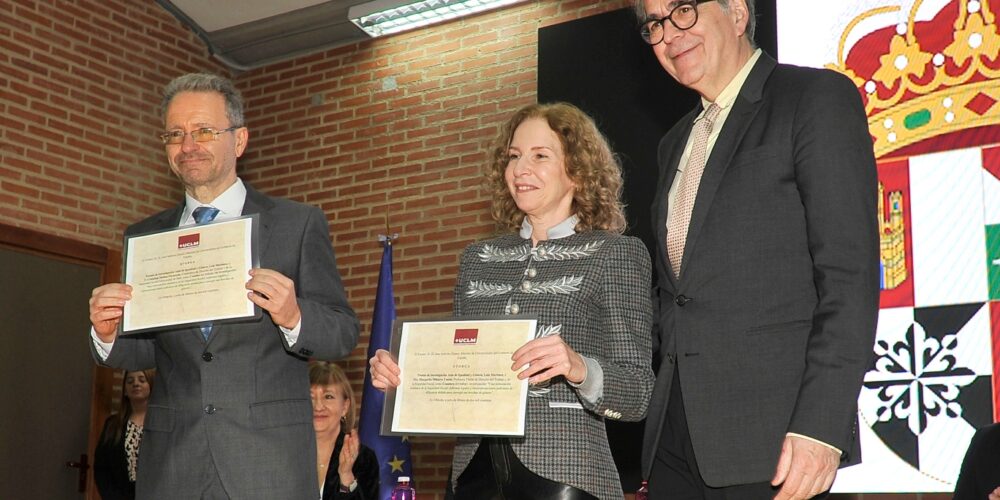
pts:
[242, 134]
[740, 15]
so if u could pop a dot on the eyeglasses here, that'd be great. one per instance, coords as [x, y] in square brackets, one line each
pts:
[204, 134]
[683, 16]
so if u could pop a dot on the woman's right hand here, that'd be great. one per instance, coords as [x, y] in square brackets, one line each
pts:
[384, 370]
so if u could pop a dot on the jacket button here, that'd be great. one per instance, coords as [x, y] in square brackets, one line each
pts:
[209, 409]
[681, 300]
[207, 356]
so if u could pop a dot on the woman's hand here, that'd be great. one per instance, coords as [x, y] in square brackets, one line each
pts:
[348, 454]
[549, 357]
[384, 370]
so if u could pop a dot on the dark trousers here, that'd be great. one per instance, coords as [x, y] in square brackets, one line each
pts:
[675, 474]
[495, 473]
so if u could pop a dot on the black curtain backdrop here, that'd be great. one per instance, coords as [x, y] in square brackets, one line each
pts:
[601, 65]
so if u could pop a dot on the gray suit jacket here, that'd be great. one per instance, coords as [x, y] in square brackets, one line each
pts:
[772, 321]
[240, 402]
[590, 288]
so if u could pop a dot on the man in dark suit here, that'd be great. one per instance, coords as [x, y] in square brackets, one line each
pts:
[767, 265]
[230, 415]
[979, 478]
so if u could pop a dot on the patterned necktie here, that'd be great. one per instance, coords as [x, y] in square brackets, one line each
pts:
[680, 215]
[202, 215]
[205, 214]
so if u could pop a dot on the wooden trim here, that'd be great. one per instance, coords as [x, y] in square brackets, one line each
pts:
[53, 245]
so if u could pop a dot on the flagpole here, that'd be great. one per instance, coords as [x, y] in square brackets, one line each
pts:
[392, 452]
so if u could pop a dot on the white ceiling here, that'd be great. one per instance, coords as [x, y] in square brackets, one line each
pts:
[214, 15]
[245, 34]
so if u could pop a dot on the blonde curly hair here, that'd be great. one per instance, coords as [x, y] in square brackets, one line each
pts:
[589, 162]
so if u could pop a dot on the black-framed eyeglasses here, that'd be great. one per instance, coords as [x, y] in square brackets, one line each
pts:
[204, 134]
[683, 16]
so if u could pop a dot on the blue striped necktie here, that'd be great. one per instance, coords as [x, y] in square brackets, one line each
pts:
[202, 215]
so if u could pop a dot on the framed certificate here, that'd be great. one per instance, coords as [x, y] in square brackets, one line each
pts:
[456, 377]
[190, 275]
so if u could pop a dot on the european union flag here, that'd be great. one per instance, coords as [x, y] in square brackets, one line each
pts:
[393, 452]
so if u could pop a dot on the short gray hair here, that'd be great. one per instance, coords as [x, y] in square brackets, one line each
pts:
[640, 14]
[205, 82]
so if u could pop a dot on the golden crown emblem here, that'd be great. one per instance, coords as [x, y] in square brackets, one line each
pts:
[925, 84]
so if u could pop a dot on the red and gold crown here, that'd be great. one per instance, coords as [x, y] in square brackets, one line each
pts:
[928, 83]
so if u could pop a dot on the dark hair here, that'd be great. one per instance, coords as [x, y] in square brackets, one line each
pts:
[590, 164]
[324, 373]
[205, 82]
[116, 422]
[640, 14]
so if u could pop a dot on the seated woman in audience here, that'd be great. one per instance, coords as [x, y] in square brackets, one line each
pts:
[346, 469]
[117, 450]
[556, 189]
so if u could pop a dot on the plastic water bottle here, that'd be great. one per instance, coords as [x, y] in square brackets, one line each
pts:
[643, 492]
[403, 490]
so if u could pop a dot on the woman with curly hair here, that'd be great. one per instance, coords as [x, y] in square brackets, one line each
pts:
[556, 190]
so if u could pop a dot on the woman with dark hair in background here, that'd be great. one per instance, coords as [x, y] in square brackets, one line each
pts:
[346, 469]
[556, 189]
[117, 450]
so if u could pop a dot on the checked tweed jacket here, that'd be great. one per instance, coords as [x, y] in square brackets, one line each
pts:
[592, 289]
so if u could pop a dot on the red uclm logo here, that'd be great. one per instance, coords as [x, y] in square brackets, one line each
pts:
[466, 335]
[188, 241]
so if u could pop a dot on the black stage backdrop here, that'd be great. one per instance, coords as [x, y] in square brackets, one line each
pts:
[601, 65]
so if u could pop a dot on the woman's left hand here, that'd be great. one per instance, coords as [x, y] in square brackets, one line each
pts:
[549, 357]
[348, 454]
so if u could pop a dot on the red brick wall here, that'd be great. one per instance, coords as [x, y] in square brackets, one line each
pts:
[79, 88]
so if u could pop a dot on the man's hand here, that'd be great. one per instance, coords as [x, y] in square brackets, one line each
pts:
[805, 469]
[107, 304]
[546, 358]
[385, 371]
[275, 293]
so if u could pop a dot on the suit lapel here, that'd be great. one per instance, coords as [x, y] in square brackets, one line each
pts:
[257, 203]
[171, 218]
[744, 109]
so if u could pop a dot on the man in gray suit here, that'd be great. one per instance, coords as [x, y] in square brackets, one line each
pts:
[767, 265]
[230, 415]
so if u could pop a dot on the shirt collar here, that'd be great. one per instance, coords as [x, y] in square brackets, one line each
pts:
[560, 230]
[728, 95]
[230, 203]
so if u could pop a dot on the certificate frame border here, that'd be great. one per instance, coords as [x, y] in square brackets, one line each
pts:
[389, 405]
[254, 262]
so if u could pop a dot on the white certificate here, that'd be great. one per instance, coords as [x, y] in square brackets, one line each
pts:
[456, 377]
[189, 275]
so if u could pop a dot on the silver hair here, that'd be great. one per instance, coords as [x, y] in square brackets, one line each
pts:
[640, 14]
[205, 82]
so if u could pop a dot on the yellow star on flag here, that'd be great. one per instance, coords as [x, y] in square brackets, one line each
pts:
[396, 463]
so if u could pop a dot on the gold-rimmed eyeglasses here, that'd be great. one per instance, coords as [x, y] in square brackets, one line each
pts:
[204, 134]
[683, 16]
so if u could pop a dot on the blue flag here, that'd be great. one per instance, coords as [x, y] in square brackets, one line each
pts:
[393, 452]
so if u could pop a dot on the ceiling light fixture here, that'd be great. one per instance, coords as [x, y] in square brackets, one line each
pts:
[385, 17]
